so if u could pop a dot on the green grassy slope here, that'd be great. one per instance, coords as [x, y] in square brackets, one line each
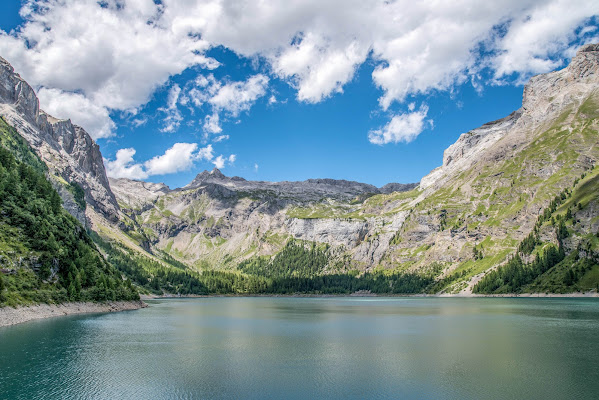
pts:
[494, 205]
[561, 255]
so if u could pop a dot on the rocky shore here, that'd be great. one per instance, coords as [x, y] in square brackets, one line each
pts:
[12, 316]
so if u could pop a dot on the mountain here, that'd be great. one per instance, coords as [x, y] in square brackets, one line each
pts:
[69, 152]
[514, 207]
[220, 221]
[45, 254]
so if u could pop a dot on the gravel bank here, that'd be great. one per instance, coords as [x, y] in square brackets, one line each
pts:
[12, 316]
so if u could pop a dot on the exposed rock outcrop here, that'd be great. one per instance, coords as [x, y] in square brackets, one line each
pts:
[68, 150]
[545, 97]
[308, 190]
[137, 194]
[242, 215]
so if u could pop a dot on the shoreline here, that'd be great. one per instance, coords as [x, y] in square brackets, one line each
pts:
[590, 294]
[12, 316]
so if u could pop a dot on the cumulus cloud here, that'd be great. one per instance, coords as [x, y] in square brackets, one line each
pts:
[212, 124]
[206, 153]
[401, 128]
[180, 157]
[220, 161]
[534, 38]
[116, 53]
[230, 98]
[417, 46]
[124, 166]
[318, 70]
[235, 97]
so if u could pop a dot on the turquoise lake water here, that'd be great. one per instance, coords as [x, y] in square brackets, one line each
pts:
[310, 348]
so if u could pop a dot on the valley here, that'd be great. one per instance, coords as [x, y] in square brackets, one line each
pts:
[514, 208]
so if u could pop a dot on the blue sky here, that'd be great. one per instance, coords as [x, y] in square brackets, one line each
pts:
[300, 90]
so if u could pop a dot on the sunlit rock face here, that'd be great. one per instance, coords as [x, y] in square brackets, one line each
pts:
[69, 152]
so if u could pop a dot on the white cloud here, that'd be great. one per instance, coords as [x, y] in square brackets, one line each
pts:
[116, 53]
[219, 162]
[220, 138]
[173, 96]
[124, 166]
[588, 29]
[235, 97]
[401, 128]
[113, 53]
[534, 37]
[206, 153]
[137, 122]
[173, 118]
[203, 87]
[417, 46]
[171, 123]
[212, 124]
[180, 157]
[94, 119]
[318, 69]
[230, 98]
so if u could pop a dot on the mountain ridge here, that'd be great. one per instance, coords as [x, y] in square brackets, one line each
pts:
[68, 150]
[216, 176]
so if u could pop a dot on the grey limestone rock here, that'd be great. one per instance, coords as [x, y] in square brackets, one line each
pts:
[68, 150]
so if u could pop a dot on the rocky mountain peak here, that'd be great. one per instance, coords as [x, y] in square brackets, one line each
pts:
[207, 177]
[308, 190]
[549, 92]
[137, 194]
[68, 150]
[544, 98]
[215, 173]
[588, 53]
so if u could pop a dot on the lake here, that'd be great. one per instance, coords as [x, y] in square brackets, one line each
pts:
[309, 348]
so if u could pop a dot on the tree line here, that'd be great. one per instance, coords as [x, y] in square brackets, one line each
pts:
[516, 274]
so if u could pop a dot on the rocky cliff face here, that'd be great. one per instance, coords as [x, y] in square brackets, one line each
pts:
[306, 191]
[70, 153]
[497, 179]
[545, 98]
[220, 220]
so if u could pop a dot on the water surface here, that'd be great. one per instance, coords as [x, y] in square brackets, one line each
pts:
[308, 348]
